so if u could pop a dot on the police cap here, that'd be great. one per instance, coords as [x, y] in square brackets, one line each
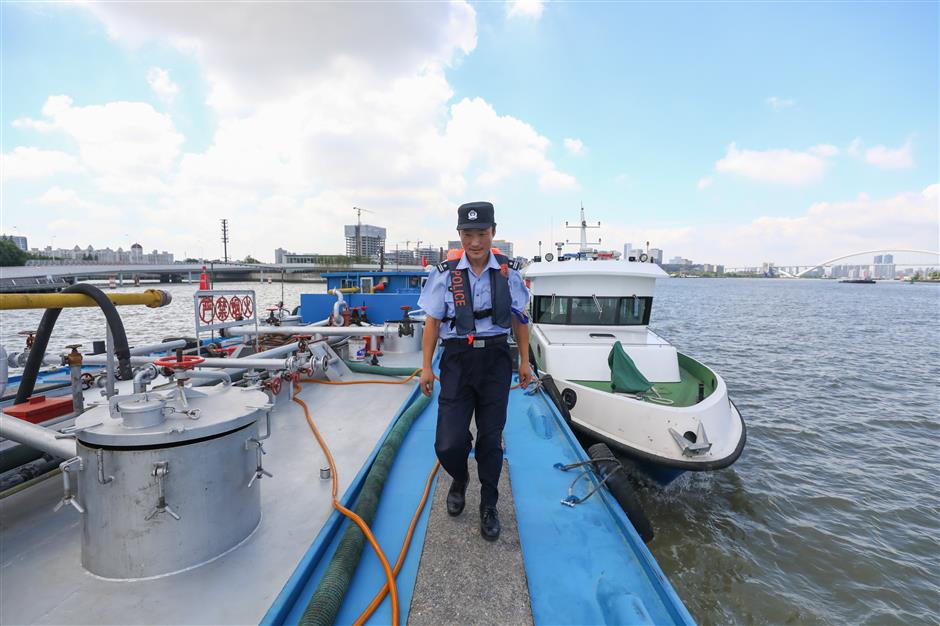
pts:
[475, 215]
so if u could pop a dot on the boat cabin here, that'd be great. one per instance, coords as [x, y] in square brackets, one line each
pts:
[378, 296]
[376, 282]
[580, 308]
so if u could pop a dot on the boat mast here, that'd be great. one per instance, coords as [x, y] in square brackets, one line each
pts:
[584, 226]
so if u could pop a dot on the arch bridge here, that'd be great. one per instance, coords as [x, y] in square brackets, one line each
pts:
[809, 269]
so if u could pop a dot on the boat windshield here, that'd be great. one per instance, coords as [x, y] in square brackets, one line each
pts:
[592, 311]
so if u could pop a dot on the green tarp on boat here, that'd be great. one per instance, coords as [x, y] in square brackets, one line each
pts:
[624, 375]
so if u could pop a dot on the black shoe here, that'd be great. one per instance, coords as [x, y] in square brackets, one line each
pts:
[489, 523]
[456, 499]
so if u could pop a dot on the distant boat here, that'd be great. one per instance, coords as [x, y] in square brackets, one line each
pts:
[859, 281]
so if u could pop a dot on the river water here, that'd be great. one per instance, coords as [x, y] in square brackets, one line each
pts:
[832, 514]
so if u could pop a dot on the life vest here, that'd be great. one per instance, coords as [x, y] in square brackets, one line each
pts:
[500, 310]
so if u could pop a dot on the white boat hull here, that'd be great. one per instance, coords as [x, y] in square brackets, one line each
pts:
[641, 429]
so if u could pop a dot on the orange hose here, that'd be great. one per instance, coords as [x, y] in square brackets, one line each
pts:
[390, 584]
[377, 600]
[390, 573]
[361, 382]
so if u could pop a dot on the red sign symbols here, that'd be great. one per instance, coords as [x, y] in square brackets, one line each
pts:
[221, 309]
[206, 311]
[235, 304]
[248, 306]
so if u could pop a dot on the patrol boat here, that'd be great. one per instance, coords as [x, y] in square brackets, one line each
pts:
[618, 381]
[266, 477]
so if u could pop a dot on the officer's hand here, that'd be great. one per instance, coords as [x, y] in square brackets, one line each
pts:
[525, 375]
[427, 382]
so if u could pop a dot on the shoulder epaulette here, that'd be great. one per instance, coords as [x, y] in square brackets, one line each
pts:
[442, 266]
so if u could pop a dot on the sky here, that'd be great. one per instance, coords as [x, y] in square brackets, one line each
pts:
[730, 132]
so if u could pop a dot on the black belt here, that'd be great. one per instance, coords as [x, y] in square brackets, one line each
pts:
[475, 342]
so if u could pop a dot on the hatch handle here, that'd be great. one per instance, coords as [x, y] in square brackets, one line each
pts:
[71, 465]
[160, 470]
[260, 472]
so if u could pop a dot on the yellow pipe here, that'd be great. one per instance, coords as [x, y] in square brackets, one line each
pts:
[349, 290]
[152, 298]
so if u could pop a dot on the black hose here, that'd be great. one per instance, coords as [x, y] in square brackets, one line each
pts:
[41, 342]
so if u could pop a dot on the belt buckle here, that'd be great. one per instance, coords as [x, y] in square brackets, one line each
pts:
[479, 343]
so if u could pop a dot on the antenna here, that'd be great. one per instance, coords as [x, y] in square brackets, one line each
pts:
[359, 211]
[584, 226]
[225, 239]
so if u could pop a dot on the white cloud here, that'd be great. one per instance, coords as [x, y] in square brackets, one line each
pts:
[777, 166]
[317, 109]
[855, 148]
[705, 182]
[826, 229]
[890, 158]
[117, 138]
[71, 202]
[27, 162]
[802, 236]
[531, 9]
[575, 146]
[506, 144]
[161, 83]
[263, 50]
[778, 104]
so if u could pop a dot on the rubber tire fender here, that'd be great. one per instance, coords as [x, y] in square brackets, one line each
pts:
[619, 486]
[548, 384]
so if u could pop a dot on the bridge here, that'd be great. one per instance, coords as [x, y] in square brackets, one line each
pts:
[787, 270]
[832, 261]
[54, 276]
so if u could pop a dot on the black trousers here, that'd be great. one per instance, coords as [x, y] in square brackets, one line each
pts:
[474, 382]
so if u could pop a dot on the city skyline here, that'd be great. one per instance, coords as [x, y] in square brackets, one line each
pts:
[404, 254]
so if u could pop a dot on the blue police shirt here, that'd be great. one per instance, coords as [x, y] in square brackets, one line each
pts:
[438, 301]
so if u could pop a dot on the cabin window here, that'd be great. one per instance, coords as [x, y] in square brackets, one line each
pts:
[551, 310]
[634, 311]
[594, 311]
[591, 311]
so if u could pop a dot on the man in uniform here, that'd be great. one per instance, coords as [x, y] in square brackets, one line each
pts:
[472, 300]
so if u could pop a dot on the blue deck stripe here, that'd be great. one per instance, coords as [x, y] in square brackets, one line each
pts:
[583, 565]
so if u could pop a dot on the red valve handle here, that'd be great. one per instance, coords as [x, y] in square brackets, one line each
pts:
[187, 362]
[405, 307]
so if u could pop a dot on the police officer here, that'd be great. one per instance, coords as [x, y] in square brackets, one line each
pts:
[472, 301]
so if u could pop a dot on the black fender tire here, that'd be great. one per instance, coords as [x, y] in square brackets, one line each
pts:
[620, 489]
[548, 384]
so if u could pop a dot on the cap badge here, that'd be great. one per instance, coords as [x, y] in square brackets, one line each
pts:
[472, 215]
